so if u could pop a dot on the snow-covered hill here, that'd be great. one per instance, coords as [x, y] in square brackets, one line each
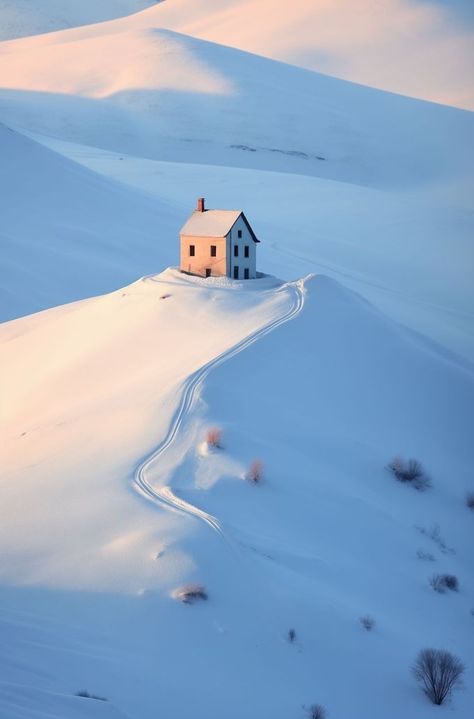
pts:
[425, 47]
[130, 86]
[148, 93]
[67, 233]
[20, 18]
[325, 400]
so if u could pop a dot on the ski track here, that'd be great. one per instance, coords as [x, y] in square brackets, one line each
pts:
[164, 496]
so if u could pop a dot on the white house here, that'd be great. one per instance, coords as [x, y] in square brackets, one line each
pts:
[216, 243]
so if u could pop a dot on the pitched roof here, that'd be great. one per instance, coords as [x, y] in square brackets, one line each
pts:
[213, 223]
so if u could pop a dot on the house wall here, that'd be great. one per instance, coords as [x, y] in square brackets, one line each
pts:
[241, 261]
[202, 259]
[225, 260]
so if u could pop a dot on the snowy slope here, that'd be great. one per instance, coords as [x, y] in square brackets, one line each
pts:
[408, 251]
[20, 18]
[130, 86]
[426, 47]
[325, 400]
[68, 233]
[18, 702]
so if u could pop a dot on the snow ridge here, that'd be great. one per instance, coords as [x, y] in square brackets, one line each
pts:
[164, 495]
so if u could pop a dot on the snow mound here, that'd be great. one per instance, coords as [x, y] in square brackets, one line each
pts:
[81, 233]
[262, 282]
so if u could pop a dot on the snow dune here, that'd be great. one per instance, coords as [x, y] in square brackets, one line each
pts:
[426, 47]
[325, 400]
[134, 87]
[67, 232]
[20, 18]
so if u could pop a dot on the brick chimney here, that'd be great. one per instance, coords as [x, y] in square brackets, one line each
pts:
[200, 204]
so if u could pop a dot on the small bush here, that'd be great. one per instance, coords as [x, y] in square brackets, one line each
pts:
[291, 635]
[367, 622]
[451, 582]
[410, 471]
[425, 556]
[86, 695]
[316, 711]
[255, 471]
[470, 500]
[441, 582]
[438, 672]
[190, 593]
[214, 437]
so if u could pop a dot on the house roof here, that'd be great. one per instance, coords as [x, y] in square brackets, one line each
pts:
[214, 223]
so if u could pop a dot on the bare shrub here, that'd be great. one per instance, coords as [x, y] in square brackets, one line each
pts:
[291, 635]
[410, 471]
[255, 471]
[436, 583]
[367, 622]
[441, 582]
[190, 593]
[214, 437]
[451, 582]
[470, 500]
[434, 533]
[86, 695]
[425, 556]
[316, 711]
[438, 672]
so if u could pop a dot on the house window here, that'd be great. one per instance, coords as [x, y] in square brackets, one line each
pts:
[239, 233]
[246, 251]
[191, 250]
[236, 250]
[246, 273]
[236, 272]
[213, 250]
[208, 271]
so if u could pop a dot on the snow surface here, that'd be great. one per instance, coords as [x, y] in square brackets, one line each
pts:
[111, 499]
[325, 400]
[394, 220]
[18, 702]
[81, 234]
[423, 49]
[21, 18]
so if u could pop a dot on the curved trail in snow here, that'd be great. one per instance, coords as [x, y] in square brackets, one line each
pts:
[164, 496]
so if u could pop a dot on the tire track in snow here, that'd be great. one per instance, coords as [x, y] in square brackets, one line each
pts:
[164, 496]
